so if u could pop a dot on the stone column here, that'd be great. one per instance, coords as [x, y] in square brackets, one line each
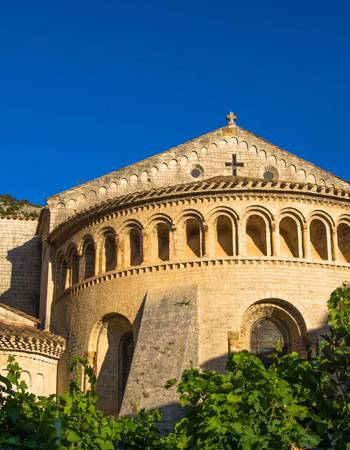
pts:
[98, 257]
[335, 245]
[306, 239]
[205, 241]
[172, 245]
[300, 242]
[272, 241]
[242, 239]
[146, 247]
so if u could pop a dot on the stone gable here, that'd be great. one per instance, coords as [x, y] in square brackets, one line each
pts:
[227, 151]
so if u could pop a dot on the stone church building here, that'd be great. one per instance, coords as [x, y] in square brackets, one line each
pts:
[226, 242]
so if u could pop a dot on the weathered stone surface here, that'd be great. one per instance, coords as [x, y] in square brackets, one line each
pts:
[167, 344]
[20, 264]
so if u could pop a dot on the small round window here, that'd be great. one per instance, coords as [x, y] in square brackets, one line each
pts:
[269, 175]
[196, 172]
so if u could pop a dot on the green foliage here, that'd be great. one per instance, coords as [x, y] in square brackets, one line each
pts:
[69, 421]
[323, 384]
[249, 407]
[294, 403]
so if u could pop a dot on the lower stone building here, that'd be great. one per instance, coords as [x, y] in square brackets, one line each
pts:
[224, 243]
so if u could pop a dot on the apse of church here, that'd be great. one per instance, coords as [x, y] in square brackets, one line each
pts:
[221, 244]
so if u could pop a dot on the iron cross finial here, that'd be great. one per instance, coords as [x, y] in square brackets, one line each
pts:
[231, 117]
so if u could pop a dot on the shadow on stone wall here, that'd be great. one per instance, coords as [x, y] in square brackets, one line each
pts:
[24, 291]
[172, 412]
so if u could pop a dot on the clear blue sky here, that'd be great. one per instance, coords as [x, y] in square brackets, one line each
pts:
[87, 87]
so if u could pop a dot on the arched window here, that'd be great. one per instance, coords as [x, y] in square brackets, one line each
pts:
[318, 239]
[194, 239]
[74, 268]
[110, 252]
[62, 274]
[343, 234]
[224, 234]
[126, 352]
[289, 241]
[89, 260]
[162, 230]
[136, 254]
[265, 336]
[256, 236]
[112, 342]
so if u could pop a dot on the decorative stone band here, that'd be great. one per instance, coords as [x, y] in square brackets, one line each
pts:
[24, 338]
[212, 187]
[200, 263]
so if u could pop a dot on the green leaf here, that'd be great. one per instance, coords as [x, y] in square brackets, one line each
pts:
[73, 437]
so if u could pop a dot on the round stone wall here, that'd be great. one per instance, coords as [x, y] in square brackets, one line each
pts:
[253, 252]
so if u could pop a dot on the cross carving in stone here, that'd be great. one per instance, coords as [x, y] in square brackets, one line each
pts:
[231, 117]
[234, 164]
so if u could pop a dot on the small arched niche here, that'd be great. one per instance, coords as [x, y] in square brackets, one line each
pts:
[289, 239]
[224, 236]
[194, 238]
[343, 235]
[135, 241]
[89, 259]
[318, 240]
[256, 236]
[163, 234]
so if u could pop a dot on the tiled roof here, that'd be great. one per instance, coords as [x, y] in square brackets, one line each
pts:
[30, 339]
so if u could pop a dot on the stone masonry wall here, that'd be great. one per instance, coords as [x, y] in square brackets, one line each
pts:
[167, 344]
[38, 371]
[20, 262]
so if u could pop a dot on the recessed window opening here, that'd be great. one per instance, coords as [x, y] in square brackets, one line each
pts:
[224, 233]
[256, 236]
[136, 256]
[162, 231]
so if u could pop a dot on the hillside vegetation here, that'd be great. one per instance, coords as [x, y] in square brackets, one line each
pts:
[11, 207]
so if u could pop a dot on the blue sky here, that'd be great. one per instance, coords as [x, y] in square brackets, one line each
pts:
[87, 87]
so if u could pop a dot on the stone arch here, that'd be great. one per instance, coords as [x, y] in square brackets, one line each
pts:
[132, 245]
[290, 232]
[158, 230]
[89, 257]
[184, 215]
[256, 236]
[320, 231]
[61, 273]
[111, 347]
[225, 236]
[258, 224]
[224, 220]
[108, 252]
[39, 384]
[191, 225]
[283, 315]
[194, 238]
[27, 378]
[343, 239]
[318, 239]
[73, 265]
[106, 249]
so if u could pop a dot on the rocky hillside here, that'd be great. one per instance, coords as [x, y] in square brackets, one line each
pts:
[11, 207]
